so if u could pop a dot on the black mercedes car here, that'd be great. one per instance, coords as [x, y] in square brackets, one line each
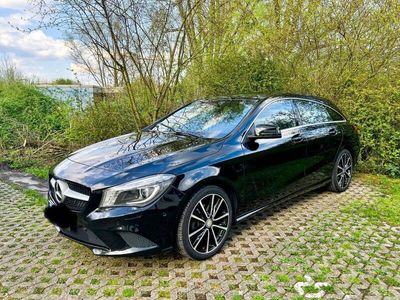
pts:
[184, 180]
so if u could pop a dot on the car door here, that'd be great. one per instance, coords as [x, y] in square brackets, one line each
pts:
[273, 167]
[323, 135]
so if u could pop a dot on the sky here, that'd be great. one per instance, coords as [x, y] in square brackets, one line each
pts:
[41, 55]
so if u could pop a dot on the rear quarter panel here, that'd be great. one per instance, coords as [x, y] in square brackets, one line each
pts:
[351, 140]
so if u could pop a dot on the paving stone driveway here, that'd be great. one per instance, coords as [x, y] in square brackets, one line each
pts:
[307, 248]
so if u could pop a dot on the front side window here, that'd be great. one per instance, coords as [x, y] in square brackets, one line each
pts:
[280, 114]
[312, 112]
[209, 119]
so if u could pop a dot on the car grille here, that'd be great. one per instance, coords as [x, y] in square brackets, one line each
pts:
[79, 188]
[75, 205]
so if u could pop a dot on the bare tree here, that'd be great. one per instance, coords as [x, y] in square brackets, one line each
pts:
[141, 42]
[144, 44]
[99, 65]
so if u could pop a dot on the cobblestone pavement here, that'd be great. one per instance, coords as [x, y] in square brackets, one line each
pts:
[307, 248]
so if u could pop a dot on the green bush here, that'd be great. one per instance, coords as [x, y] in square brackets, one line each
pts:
[376, 112]
[27, 114]
[234, 74]
[101, 120]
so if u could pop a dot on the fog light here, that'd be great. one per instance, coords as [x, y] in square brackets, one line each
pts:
[98, 251]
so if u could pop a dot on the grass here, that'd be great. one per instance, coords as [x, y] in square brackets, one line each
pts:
[91, 291]
[310, 289]
[56, 291]
[164, 294]
[22, 160]
[382, 209]
[41, 172]
[128, 292]
[109, 292]
[283, 278]
[34, 198]
[74, 292]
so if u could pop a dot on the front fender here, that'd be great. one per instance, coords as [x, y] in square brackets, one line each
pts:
[193, 177]
[209, 175]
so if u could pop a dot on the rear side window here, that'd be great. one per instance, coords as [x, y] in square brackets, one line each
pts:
[280, 113]
[335, 115]
[312, 112]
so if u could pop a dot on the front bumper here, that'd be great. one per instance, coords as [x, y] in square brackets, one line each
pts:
[117, 231]
[135, 244]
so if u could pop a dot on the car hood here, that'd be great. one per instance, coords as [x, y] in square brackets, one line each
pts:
[132, 156]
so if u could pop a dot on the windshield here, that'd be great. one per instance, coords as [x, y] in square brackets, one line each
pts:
[209, 119]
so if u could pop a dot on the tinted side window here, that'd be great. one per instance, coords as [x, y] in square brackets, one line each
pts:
[334, 115]
[280, 113]
[312, 112]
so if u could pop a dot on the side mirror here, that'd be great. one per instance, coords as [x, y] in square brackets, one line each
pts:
[266, 131]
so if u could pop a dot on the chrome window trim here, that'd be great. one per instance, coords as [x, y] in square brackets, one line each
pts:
[314, 124]
[273, 100]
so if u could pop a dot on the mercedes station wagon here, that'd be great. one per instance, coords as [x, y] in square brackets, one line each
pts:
[184, 180]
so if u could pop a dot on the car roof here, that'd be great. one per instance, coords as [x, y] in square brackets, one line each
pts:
[261, 98]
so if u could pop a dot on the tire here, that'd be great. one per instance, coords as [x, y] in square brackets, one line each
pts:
[200, 235]
[342, 172]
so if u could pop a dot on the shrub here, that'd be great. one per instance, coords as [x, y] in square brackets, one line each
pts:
[101, 120]
[376, 112]
[234, 74]
[27, 114]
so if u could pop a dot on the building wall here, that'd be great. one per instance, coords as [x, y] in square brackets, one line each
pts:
[78, 95]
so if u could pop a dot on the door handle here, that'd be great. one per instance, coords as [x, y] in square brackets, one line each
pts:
[332, 131]
[297, 138]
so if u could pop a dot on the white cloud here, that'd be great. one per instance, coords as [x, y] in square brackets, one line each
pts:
[32, 43]
[15, 4]
[37, 54]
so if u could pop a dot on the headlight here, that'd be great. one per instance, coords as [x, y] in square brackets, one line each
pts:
[139, 192]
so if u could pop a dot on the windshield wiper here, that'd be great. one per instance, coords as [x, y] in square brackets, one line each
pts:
[185, 133]
[181, 133]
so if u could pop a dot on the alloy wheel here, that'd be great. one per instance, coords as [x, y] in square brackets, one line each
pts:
[344, 170]
[208, 223]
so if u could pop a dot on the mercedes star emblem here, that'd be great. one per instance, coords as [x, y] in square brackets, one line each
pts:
[58, 192]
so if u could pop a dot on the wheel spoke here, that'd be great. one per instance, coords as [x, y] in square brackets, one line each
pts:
[197, 218]
[221, 217]
[340, 181]
[220, 227]
[217, 207]
[211, 206]
[344, 181]
[342, 161]
[197, 231]
[215, 238]
[199, 239]
[203, 209]
[208, 240]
